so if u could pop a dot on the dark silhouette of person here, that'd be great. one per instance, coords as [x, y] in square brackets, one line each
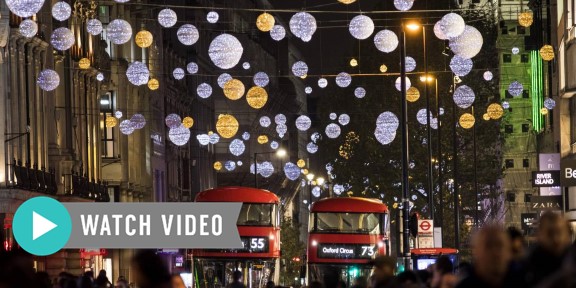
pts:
[150, 271]
[236, 280]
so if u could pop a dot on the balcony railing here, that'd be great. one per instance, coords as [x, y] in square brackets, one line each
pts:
[81, 186]
[32, 178]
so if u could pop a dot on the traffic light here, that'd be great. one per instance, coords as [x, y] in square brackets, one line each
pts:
[400, 268]
[353, 272]
[413, 224]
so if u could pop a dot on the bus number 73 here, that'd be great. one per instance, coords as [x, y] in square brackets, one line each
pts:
[368, 251]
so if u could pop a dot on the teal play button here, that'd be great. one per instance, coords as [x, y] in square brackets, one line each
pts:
[42, 226]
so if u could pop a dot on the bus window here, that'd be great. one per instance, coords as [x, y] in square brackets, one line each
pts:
[354, 223]
[256, 215]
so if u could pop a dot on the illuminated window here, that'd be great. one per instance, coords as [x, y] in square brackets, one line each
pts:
[107, 102]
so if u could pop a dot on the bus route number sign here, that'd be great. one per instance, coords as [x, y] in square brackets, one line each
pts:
[347, 251]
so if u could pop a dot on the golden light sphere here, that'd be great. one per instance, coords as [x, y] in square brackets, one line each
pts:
[495, 111]
[305, 171]
[525, 19]
[353, 62]
[217, 165]
[304, 76]
[262, 139]
[383, 68]
[234, 89]
[111, 121]
[153, 84]
[188, 122]
[486, 116]
[144, 39]
[544, 111]
[346, 1]
[265, 22]
[227, 125]
[547, 52]
[301, 163]
[210, 133]
[412, 94]
[84, 63]
[257, 97]
[467, 121]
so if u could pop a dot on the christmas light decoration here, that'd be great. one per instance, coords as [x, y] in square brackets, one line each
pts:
[344, 119]
[246, 136]
[461, 66]
[544, 111]
[118, 114]
[188, 122]
[361, 27]
[383, 68]
[217, 165]
[265, 121]
[213, 138]
[359, 92]
[234, 89]
[410, 64]
[322, 82]
[291, 171]
[403, 5]
[126, 127]
[144, 39]
[230, 165]
[515, 50]
[464, 96]
[277, 33]
[300, 163]
[204, 90]
[386, 41]
[153, 84]
[488, 75]
[173, 120]
[333, 116]
[387, 121]
[452, 25]
[274, 145]
[212, 17]
[192, 68]
[203, 139]
[422, 116]
[303, 25]
[299, 68]
[303, 123]
[549, 103]
[256, 97]
[515, 88]
[179, 135]
[311, 148]
[167, 18]
[384, 137]
[495, 111]
[280, 119]
[343, 79]
[138, 121]
[547, 52]
[438, 31]
[28, 28]
[246, 65]
[61, 11]
[24, 8]
[178, 73]
[137, 73]
[412, 94]
[261, 79]
[94, 27]
[265, 22]
[119, 31]
[281, 129]
[467, 121]
[48, 80]
[308, 90]
[332, 130]
[236, 147]
[468, 44]
[505, 105]
[262, 139]
[525, 19]
[84, 63]
[62, 39]
[397, 83]
[188, 34]
[225, 51]
[227, 125]
[111, 121]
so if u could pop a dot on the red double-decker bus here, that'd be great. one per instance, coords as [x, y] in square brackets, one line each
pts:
[259, 228]
[345, 234]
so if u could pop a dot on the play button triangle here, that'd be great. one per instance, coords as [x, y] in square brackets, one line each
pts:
[40, 225]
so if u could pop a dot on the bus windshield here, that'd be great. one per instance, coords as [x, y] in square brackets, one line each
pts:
[350, 223]
[253, 214]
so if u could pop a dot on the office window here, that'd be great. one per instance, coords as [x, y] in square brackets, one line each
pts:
[107, 110]
[524, 58]
[507, 58]
[525, 94]
[509, 163]
[526, 163]
[525, 128]
[509, 129]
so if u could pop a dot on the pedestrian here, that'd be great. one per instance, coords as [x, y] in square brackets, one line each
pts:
[360, 282]
[121, 282]
[270, 284]
[150, 271]
[177, 281]
[408, 279]
[442, 268]
[102, 280]
[85, 282]
[383, 272]
[236, 280]
[553, 241]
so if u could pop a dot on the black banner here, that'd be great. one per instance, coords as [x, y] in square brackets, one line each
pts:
[347, 251]
[528, 220]
[545, 178]
[546, 202]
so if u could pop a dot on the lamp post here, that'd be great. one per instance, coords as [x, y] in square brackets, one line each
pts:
[280, 153]
[427, 79]
[310, 177]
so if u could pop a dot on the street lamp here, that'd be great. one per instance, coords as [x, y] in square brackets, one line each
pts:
[427, 79]
[280, 153]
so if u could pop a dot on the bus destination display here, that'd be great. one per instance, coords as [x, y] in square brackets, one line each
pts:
[347, 251]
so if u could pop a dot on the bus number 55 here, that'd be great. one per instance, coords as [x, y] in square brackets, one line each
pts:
[257, 243]
[368, 251]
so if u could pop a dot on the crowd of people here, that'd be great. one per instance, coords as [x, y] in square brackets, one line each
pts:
[500, 258]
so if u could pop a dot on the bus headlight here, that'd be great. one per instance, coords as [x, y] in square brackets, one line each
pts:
[271, 237]
[314, 243]
[380, 244]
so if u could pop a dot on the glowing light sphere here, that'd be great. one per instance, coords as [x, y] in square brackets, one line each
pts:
[316, 191]
[412, 94]
[387, 121]
[188, 122]
[464, 96]
[280, 119]
[153, 84]
[344, 119]
[262, 139]
[48, 80]
[361, 27]
[119, 31]
[343, 79]
[265, 121]
[277, 33]
[265, 169]
[386, 41]
[138, 121]
[246, 136]
[322, 82]
[438, 31]
[230, 165]
[461, 66]
[422, 116]
[525, 19]
[359, 92]
[173, 120]
[505, 104]
[179, 135]
[257, 97]
[213, 138]
[238, 163]
[486, 117]
[188, 34]
[547, 52]
[234, 89]
[111, 121]
[433, 122]
[333, 130]
[204, 90]
[126, 127]
[544, 111]
[217, 165]
[265, 22]
[292, 171]
[137, 73]
[495, 111]
[94, 27]
[274, 145]
[203, 139]
[398, 86]
[308, 90]
[549, 103]
[84, 63]
[28, 28]
[515, 50]
[261, 79]
[300, 163]
[467, 121]
[236, 147]
[338, 189]
[303, 25]
[410, 64]
[383, 68]
[212, 17]
[452, 25]
[468, 44]
[167, 18]
[515, 88]
[118, 114]
[383, 136]
[62, 39]
[246, 65]
[403, 5]
[178, 73]
[303, 123]
[61, 11]
[192, 68]
[488, 76]
[225, 51]
[281, 129]
[333, 116]
[144, 39]
[223, 78]
[227, 125]
[312, 148]
[24, 8]
[353, 62]
[346, 1]
[300, 68]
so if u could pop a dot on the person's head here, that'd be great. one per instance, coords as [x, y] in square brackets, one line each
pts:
[408, 279]
[149, 270]
[384, 267]
[42, 280]
[177, 281]
[270, 284]
[237, 276]
[102, 273]
[553, 233]
[516, 242]
[361, 282]
[85, 282]
[492, 254]
[443, 265]
[89, 274]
